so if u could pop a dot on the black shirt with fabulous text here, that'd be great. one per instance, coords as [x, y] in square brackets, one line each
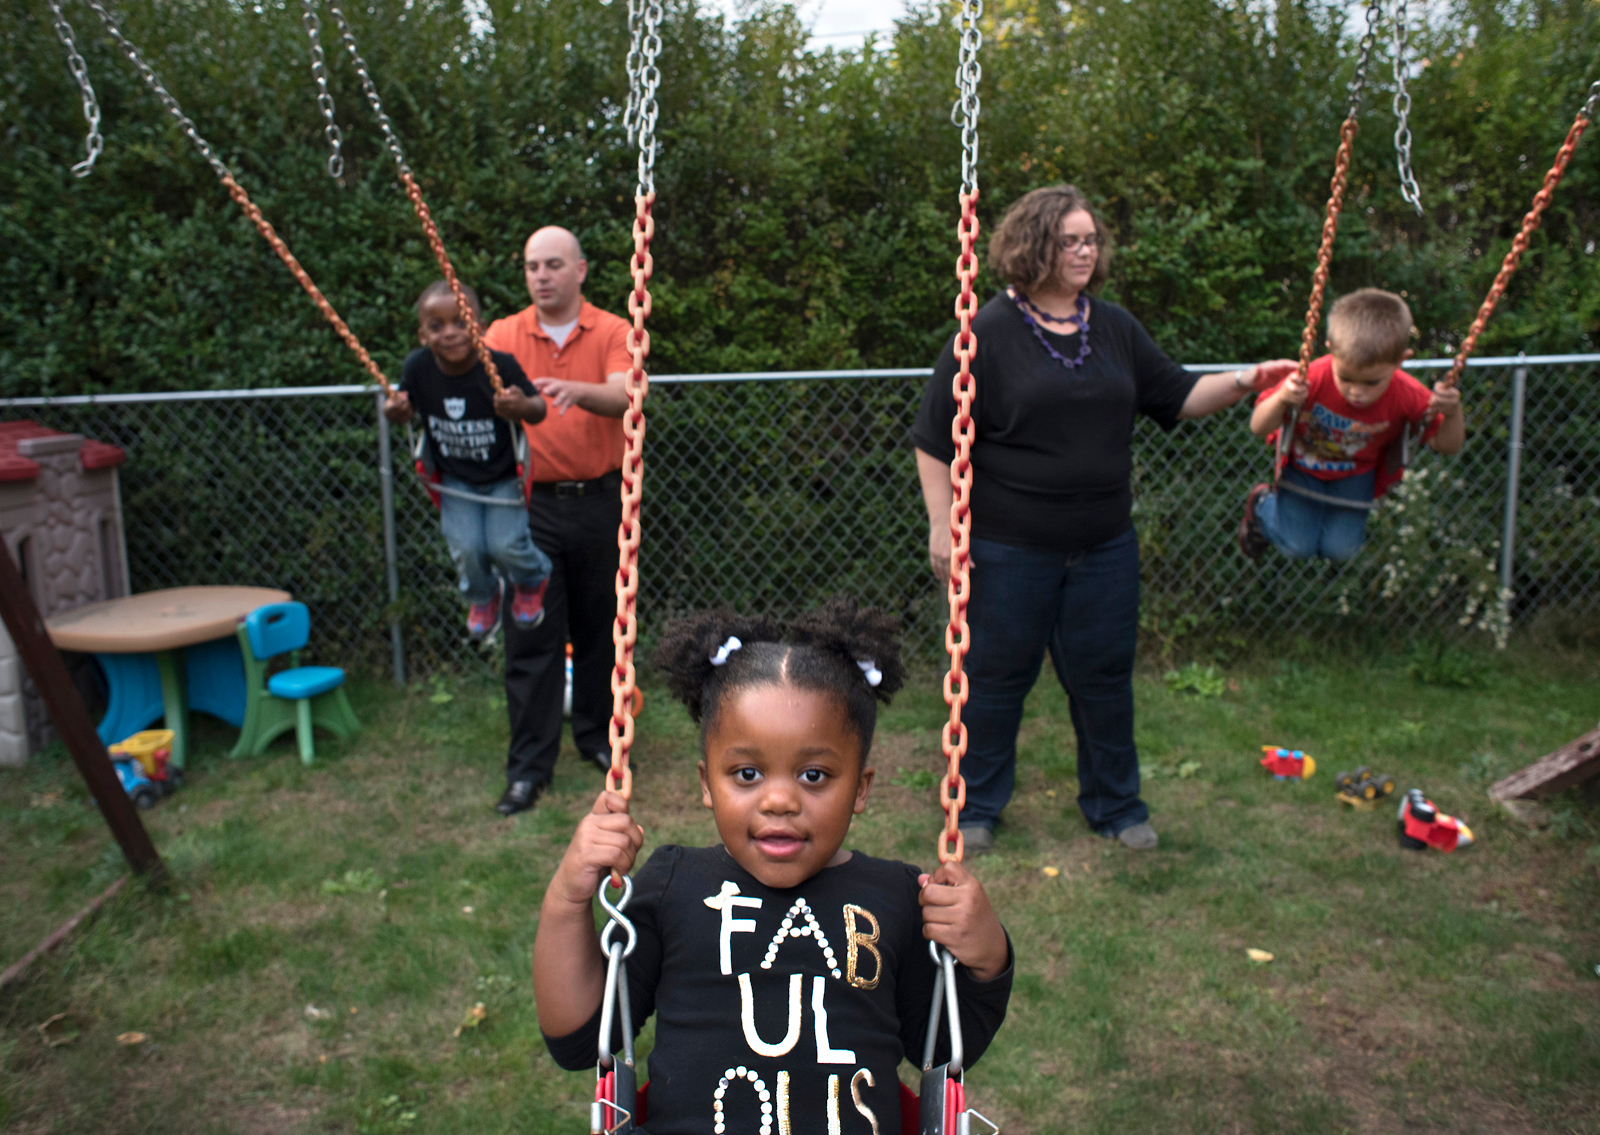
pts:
[780, 1010]
[470, 442]
[1052, 457]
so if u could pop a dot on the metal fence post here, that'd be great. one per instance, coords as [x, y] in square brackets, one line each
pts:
[1508, 537]
[390, 560]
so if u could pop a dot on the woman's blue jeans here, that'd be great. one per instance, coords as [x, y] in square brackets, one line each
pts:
[483, 537]
[1303, 528]
[1085, 610]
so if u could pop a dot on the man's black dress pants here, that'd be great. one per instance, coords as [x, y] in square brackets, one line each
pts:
[579, 534]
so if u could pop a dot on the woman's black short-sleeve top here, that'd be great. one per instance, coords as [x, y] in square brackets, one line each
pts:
[1052, 456]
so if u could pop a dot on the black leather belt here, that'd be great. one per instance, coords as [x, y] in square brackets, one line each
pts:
[569, 490]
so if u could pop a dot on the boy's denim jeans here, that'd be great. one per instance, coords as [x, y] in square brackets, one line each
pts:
[1304, 528]
[483, 537]
[1085, 610]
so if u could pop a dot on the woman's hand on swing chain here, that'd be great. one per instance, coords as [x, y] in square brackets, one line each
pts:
[957, 915]
[939, 552]
[607, 840]
[397, 406]
[1268, 374]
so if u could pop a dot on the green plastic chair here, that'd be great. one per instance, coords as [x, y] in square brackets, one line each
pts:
[299, 698]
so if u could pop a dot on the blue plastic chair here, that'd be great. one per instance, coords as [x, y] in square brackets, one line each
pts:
[317, 692]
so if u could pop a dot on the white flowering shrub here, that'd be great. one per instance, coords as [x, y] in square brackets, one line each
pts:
[1420, 555]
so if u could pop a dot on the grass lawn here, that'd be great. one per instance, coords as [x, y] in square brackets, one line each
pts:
[328, 928]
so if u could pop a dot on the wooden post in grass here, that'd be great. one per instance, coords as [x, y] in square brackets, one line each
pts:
[71, 719]
[1571, 764]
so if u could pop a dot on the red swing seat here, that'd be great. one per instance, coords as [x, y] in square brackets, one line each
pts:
[910, 1106]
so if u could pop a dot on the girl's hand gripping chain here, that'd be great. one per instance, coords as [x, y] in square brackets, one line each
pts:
[957, 915]
[568, 968]
[607, 842]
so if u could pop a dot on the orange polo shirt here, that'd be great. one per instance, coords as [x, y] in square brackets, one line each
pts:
[577, 445]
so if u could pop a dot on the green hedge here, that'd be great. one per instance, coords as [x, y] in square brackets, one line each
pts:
[807, 200]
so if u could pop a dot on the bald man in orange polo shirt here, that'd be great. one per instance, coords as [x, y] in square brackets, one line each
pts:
[577, 357]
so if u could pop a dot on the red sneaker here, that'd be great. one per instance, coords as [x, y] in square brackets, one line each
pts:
[483, 619]
[1252, 541]
[527, 605]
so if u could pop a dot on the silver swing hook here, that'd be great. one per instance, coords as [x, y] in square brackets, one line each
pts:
[615, 1000]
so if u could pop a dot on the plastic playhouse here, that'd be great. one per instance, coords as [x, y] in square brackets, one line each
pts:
[61, 513]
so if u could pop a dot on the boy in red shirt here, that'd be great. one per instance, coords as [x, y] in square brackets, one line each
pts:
[1354, 404]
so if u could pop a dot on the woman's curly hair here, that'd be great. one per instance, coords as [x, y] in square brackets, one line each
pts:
[822, 650]
[1025, 250]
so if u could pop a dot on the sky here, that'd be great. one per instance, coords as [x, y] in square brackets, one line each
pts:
[840, 23]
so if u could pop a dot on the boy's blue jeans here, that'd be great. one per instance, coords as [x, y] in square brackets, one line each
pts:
[483, 537]
[1304, 528]
[1085, 610]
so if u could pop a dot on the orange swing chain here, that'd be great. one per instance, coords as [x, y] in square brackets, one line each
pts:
[1319, 278]
[431, 231]
[643, 79]
[408, 182]
[1330, 229]
[1530, 224]
[625, 631]
[236, 191]
[958, 635]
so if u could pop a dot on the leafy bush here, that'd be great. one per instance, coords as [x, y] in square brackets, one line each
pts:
[1442, 663]
[806, 198]
[1206, 681]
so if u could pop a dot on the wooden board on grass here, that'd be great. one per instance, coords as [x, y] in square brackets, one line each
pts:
[1571, 764]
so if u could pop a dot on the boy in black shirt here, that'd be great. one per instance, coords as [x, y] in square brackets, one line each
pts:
[788, 977]
[468, 430]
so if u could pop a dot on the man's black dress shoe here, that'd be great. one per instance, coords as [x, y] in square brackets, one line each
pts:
[520, 795]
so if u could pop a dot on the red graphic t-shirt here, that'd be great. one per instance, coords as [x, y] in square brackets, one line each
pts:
[1334, 440]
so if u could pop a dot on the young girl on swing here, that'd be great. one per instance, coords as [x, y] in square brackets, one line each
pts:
[788, 976]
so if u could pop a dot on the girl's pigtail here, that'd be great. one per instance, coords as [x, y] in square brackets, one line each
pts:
[688, 645]
[860, 635]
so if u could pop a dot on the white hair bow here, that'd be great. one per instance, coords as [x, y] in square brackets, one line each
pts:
[870, 670]
[725, 651]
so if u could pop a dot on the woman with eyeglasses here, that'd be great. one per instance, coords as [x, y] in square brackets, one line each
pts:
[1060, 376]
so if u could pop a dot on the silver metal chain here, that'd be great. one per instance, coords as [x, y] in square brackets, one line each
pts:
[969, 72]
[642, 86]
[630, 117]
[390, 137]
[319, 72]
[1402, 110]
[94, 143]
[1592, 104]
[1358, 82]
[161, 93]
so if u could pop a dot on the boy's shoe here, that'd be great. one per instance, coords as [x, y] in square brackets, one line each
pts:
[1252, 541]
[483, 619]
[527, 605]
[519, 796]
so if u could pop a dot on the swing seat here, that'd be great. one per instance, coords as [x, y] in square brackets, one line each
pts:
[428, 471]
[910, 1105]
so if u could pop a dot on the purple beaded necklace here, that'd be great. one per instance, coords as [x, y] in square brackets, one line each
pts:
[1082, 319]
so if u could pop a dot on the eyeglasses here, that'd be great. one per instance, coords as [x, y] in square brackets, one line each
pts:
[1072, 242]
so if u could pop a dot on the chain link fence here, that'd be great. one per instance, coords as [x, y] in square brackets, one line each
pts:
[771, 492]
